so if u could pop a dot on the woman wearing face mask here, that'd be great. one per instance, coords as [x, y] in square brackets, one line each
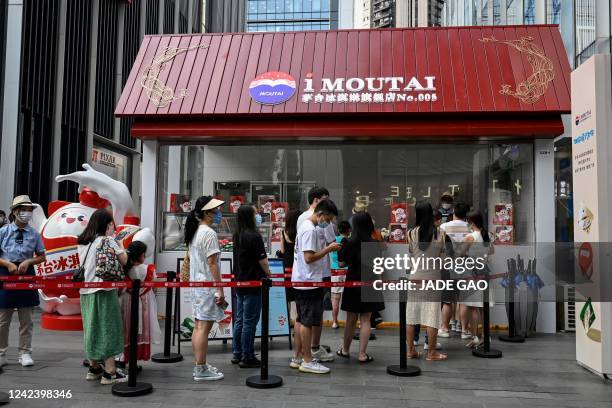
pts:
[21, 248]
[251, 264]
[204, 252]
[100, 310]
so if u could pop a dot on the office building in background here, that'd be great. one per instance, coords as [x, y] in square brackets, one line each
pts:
[63, 64]
[291, 15]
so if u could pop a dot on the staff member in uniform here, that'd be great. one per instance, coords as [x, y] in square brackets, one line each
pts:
[21, 248]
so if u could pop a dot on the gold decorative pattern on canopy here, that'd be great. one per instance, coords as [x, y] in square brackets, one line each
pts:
[536, 84]
[157, 91]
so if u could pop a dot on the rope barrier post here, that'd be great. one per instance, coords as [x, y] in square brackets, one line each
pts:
[133, 388]
[486, 351]
[167, 356]
[511, 337]
[264, 380]
[403, 369]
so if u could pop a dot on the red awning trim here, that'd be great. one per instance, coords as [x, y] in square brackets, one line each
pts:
[354, 129]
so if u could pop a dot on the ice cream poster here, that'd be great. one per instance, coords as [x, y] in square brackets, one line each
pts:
[279, 211]
[397, 233]
[503, 214]
[265, 203]
[399, 213]
[235, 202]
[277, 231]
[504, 234]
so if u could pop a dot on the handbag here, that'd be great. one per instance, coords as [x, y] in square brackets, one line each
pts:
[184, 274]
[79, 274]
[108, 267]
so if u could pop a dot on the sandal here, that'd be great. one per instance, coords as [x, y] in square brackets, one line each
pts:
[437, 357]
[340, 353]
[415, 354]
[368, 359]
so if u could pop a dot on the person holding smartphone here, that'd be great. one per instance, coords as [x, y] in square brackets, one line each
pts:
[204, 252]
[250, 264]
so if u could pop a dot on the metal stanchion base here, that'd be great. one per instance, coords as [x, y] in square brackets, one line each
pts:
[511, 339]
[170, 358]
[272, 381]
[492, 353]
[408, 371]
[4, 398]
[124, 390]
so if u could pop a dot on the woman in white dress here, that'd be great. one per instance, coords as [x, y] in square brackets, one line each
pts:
[477, 245]
[425, 241]
[204, 252]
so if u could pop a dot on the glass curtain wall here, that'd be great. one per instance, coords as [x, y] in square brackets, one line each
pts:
[495, 178]
[292, 15]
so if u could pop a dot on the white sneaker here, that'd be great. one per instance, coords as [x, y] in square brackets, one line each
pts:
[323, 355]
[443, 333]
[206, 373]
[3, 361]
[458, 328]
[295, 362]
[438, 346]
[314, 367]
[108, 378]
[415, 343]
[26, 360]
[453, 325]
[466, 335]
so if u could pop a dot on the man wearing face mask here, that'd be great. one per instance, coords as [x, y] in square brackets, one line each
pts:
[446, 207]
[21, 248]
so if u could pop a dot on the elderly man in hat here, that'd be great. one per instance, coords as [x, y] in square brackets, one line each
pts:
[21, 248]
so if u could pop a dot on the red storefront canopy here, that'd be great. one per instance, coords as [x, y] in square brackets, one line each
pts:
[505, 81]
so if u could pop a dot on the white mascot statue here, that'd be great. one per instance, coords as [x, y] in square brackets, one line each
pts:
[59, 232]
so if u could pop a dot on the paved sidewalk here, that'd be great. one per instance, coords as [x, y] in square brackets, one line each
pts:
[541, 372]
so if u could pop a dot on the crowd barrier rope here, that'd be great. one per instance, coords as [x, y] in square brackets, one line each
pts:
[264, 380]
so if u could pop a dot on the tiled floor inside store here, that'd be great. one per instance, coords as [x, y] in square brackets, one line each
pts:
[540, 372]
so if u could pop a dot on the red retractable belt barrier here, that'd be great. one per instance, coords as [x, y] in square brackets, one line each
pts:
[18, 282]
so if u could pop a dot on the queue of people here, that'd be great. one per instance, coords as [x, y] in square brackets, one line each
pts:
[313, 244]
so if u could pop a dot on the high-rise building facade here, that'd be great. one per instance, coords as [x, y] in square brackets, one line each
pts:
[397, 13]
[585, 24]
[291, 15]
[63, 65]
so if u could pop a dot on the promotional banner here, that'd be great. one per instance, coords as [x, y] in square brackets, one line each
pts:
[279, 313]
[591, 153]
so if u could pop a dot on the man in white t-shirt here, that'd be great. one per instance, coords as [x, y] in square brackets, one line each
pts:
[310, 249]
[327, 236]
[456, 230]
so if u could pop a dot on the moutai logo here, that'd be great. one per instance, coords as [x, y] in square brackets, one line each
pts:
[272, 88]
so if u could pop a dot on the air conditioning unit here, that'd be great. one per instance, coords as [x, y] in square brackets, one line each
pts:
[569, 308]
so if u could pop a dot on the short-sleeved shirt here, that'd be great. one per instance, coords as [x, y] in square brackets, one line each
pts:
[17, 252]
[247, 254]
[308, 239]
[88, 260]
[203, 245]
[327, 235]
[456, 230]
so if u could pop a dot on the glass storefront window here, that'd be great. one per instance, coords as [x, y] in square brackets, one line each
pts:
[492, 177]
